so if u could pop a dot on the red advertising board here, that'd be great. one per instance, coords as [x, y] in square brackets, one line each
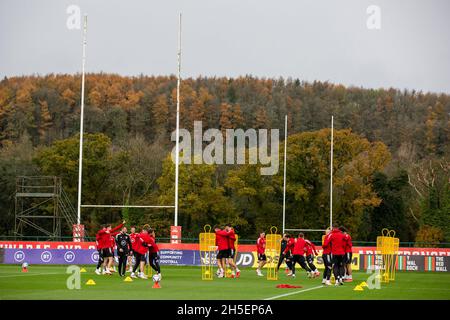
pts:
[194, 246]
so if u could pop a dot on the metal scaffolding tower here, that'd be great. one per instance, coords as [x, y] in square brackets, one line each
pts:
[41, 204]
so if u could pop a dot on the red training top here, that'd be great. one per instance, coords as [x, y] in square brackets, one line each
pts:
[222, 240]
[338, 242]
[326, 248]
[231, 239]
[261, 245]
[310, 248]
[142, 242]
[103, 237]
[152, 246]
[133, 237]
[349, 244]
[297, 246]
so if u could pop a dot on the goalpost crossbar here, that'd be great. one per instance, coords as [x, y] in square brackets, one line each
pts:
[306, 230]
[120, 206]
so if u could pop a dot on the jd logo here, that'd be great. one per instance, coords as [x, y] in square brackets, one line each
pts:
[74, 280]
[244, 259]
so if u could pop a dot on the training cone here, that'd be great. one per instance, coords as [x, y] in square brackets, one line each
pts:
[83, 270]
[24, 269]
[363, 284]
[90, 282]
[358, 288]
[156, 285]
[128, 279]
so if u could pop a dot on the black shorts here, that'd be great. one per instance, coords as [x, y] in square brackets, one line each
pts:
[348, 258]
[139, 257]
[223, 254]
[232, 253]
[106, 253]
[262, 257]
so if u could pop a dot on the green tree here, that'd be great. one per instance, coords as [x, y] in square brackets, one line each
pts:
[15, 160]
[201, 200]
[392, 211]
[61, 159]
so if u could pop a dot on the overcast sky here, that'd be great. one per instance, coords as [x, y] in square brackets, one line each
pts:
[307, 39]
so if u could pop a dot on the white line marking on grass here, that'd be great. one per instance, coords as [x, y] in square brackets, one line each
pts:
[291, 293]
[29, 275]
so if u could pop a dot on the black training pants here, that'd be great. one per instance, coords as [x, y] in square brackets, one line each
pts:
[154, 262]
[122, 263]
[328, 266]
[300, 259]
[288, 261]
[338, 266]
[100, 258]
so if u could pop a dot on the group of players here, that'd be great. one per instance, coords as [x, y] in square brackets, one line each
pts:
[337, 255]
[225, 242]
[134, 249]
[137, 249]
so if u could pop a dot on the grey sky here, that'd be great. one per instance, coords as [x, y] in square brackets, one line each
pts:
[306, 39]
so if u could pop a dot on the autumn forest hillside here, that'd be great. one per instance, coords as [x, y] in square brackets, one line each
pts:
[392, 160]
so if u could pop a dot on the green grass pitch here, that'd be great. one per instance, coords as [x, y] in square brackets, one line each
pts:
[49, 282]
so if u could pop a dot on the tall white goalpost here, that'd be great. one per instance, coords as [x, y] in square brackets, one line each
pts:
[80, 160]
[177, 134]
[80, 163]
[331, 180]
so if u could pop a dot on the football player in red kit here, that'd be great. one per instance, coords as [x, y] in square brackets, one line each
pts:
[141, 249]
[132, 255]
[153, 252]
[112, 244]
[232, 251]
[326, 257]
[99, 244]
[338, 242]
[261, 251]
[298, 248]
[310, 253]
[348, 256]
[103, 238]
[223, 247]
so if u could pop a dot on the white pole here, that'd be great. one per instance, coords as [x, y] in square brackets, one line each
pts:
[284, 173]
[80, 161]
[331, 173]
[177, 144]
